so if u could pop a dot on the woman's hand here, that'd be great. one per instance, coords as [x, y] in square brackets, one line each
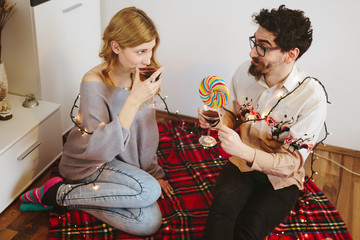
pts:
[140, 92]
[144, 90]
[166, 188]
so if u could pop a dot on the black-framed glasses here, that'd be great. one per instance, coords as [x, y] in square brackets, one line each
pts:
[260, 49]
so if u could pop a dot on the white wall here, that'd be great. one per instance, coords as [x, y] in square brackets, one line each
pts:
[47, 49]
[203, 37]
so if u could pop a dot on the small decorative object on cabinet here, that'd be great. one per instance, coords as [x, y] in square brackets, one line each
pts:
[29, 143]
[5, 110]
[3, 82]
[30, 101]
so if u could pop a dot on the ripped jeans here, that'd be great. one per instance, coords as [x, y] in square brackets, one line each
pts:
[122, 196]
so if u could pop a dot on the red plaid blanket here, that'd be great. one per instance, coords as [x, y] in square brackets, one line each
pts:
[192, 171]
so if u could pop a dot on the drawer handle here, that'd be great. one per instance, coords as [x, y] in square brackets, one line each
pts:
[28, 151]
[66, 10]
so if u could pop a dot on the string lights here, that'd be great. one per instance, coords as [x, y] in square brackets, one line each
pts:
[265, 117]
[196, 129]
[62, 209]
[74, 118]
[193, 127]
[281, 97]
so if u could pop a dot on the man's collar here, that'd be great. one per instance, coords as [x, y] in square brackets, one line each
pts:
[290, 82]
[292, 79]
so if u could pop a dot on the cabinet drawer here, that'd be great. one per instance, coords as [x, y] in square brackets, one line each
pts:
[23, 162]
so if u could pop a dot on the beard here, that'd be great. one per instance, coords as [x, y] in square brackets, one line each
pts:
[258, 70]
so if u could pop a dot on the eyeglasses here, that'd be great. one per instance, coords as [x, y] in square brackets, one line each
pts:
[260, 49]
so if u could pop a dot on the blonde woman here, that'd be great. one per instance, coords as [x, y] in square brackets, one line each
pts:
[109, 167]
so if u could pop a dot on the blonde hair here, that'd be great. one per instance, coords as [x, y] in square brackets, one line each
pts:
[130, 27]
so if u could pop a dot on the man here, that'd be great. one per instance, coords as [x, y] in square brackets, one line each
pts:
[281, 112]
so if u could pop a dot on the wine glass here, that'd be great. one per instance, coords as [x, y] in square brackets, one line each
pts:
[212, 116]
[145, 73]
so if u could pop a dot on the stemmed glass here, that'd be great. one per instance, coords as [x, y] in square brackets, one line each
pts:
[212, 116]
[145, 73]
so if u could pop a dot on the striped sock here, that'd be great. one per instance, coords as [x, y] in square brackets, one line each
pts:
[26, 207]
[35, 195]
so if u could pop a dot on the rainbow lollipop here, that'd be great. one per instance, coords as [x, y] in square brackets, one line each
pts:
[214, 91]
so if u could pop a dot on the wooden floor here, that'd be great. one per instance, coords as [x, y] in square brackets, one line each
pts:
[340, 186]
[342, 189]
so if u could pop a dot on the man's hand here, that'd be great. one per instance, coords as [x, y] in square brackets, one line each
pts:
[230, 140]
[233, 145]
[203, 123]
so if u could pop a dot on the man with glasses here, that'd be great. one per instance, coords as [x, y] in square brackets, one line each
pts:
[280, 112]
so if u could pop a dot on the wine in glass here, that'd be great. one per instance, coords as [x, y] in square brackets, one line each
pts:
[212, 117]
[145, 73]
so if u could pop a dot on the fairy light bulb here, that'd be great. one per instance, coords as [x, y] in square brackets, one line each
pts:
[84, 132]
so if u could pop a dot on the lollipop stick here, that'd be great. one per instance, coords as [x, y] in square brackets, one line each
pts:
[219, 115]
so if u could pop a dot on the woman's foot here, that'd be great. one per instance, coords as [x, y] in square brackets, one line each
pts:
[26, 207]
[44, 195]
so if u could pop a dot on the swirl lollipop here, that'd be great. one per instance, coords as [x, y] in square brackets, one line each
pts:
[214, 92]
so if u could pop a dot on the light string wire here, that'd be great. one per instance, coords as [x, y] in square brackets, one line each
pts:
[73, 118]
[61, 210]
[215, 151]
[338, 164]
[282, 98]
[194, 128]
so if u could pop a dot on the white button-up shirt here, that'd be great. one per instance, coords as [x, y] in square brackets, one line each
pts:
[289, 126]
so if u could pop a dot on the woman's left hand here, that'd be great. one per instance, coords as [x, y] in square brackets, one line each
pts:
[166, 188]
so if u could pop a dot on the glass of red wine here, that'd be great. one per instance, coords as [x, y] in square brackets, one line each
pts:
[212, 116]
[145, 73]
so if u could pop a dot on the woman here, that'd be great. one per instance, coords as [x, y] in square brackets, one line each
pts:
[109, 165]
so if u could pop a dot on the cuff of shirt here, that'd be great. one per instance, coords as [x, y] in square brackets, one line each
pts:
[262, 161]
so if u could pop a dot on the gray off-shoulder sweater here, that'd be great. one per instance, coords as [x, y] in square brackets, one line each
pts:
[99, 107]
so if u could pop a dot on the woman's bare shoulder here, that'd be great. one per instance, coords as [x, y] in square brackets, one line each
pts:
[94, 74]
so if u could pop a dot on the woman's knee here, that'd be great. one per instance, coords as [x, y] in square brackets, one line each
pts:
[150, 221]
[151, 190]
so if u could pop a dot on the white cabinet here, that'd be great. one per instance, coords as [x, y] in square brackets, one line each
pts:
[29, 143]
[47, 48]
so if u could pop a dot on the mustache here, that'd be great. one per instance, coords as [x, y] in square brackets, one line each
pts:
[256, 60]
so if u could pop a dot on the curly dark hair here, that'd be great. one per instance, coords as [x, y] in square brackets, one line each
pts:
[291, 28]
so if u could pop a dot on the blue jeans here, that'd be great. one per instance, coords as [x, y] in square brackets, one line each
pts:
[123, 196]
[246, 206]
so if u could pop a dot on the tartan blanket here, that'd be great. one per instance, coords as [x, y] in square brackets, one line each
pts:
[192, 171]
